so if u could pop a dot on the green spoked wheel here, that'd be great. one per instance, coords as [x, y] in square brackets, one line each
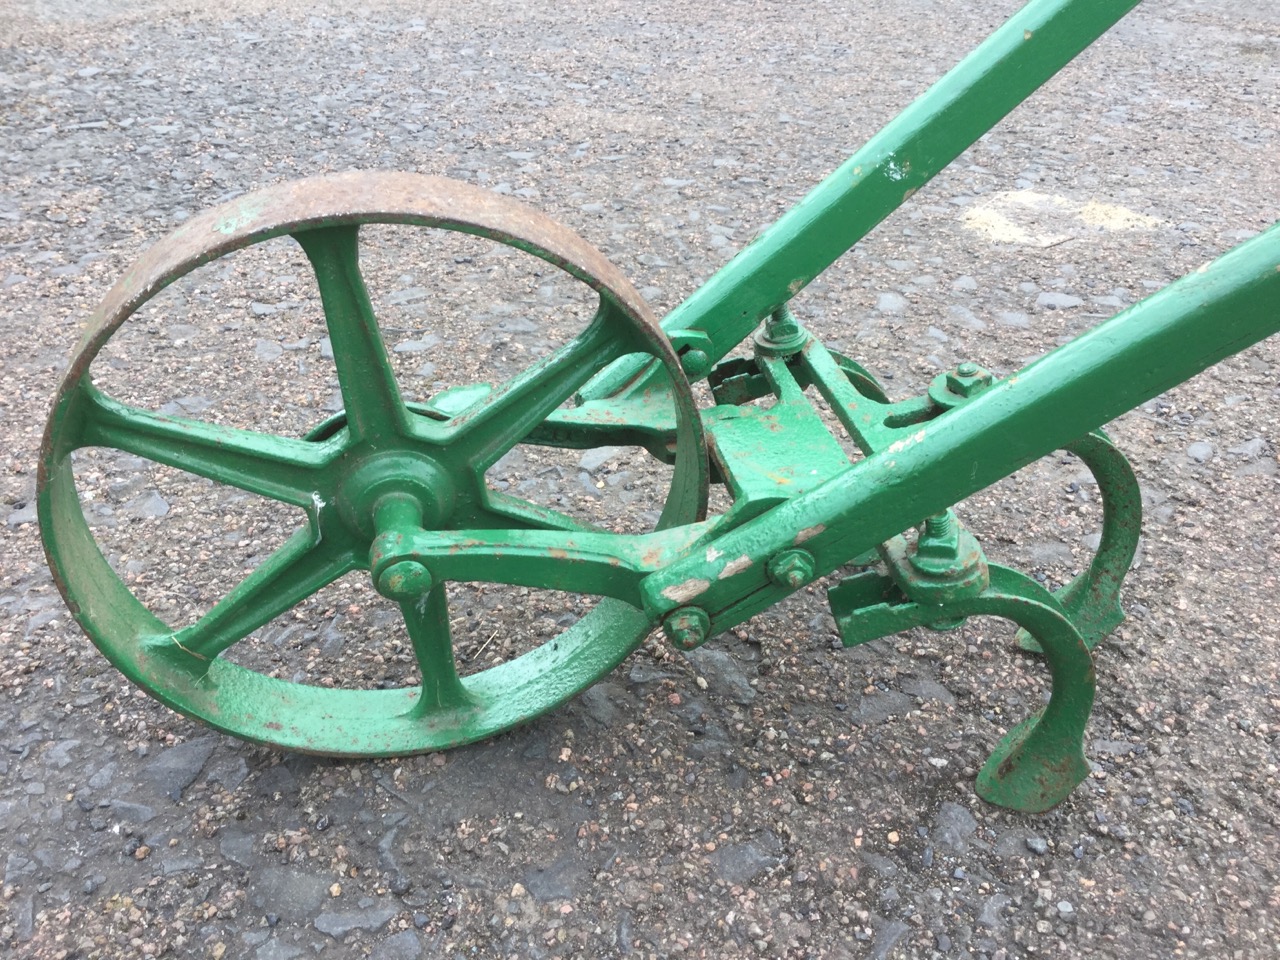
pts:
[387, 487]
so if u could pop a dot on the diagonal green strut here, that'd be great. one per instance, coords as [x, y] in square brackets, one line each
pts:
[1010, 65]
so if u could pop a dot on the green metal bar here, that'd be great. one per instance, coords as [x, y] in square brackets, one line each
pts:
[1033, 45]
[1220, 309]
[284, 469]
[506, 512]
[427, 620]
[863, 418]
[302, 566]
[489, 428]
[370, 395]
[601, 564]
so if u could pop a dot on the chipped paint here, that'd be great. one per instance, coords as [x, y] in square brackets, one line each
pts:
[684, 592]
[899, 445]
[713, 554]
[735, 567]
[249, 210]
[808, 533]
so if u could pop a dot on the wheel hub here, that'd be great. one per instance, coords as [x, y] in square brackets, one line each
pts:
[403, 474]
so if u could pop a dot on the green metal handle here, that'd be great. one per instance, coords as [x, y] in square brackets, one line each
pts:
[1034, 44]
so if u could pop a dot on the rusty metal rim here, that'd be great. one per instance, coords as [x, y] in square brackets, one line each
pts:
[583, 654]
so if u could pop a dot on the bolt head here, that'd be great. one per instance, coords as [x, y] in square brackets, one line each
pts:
[687, 627]
[791, 568]
[968, 380]
[404, 581]
[695, 363]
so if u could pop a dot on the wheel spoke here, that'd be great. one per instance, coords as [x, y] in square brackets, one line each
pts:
[280, 468]
[503, 511]
[492, 426]
[302, 566]
[369, 392]
[428, 622]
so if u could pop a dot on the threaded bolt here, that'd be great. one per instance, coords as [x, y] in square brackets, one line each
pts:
[405, 580]
[968, 369]
[781, 324]
[939, 526]
[782, 335]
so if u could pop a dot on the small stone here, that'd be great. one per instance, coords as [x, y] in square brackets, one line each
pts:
[149, 506]
[25, 513]
[338, 923]
[593, 460]
[1052, 300]
[1250, 449]
[737, 864]
[335, 890]
[409, 295]
[892, 303]
[175, 769]
[954, 826]
[1200, 451]
[416, 346]
[991, 911]
[725, 678]
[267, 350]
[1038, 846]
[132, 812]
[404, 945]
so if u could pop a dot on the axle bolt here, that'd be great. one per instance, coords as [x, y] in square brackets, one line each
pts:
[404, 581]
[791, 568]
[695, 363]
[687, 627]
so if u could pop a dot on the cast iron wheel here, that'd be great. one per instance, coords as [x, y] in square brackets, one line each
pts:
[381, 453]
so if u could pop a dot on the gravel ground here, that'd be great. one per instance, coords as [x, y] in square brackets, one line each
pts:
[771, 795]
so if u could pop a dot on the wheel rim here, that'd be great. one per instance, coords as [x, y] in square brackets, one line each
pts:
[383, 452]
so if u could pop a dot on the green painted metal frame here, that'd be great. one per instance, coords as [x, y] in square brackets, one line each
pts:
[396, 489]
